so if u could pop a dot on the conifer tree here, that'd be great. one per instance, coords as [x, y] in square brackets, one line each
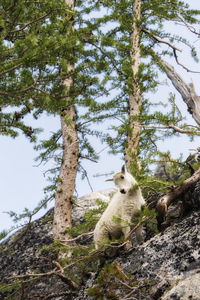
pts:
[46, 67]
[32, 47]
[135, 46]
[135, 96]
[68, 170]
[57, 58]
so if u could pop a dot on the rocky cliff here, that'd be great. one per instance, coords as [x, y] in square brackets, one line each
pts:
[166, 266]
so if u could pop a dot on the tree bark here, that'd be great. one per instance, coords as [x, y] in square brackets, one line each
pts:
[167, 199]
[187, 91]
[67, 176]
[135, 101]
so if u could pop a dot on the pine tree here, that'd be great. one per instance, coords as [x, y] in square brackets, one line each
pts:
[135, 45]
[68, 170]
[46, 66]
[57, 58]
[32, 53]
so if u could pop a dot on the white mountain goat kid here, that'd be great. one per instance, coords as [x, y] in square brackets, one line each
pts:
[116, 219]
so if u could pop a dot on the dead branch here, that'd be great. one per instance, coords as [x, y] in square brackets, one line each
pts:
[166, 200]
[28, 275]
[66, 279]
[182, 65]
[187, 91]
[174, 49]
[56, 263]
[156, 38]
[175, 128]
[144, 219]
[189, 27]
[56, 295]
[78, 237]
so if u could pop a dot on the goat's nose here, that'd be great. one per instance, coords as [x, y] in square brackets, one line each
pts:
[123, 191]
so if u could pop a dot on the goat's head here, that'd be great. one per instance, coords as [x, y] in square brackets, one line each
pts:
[123, 180]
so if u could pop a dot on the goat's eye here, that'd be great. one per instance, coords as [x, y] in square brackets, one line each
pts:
[122, 177]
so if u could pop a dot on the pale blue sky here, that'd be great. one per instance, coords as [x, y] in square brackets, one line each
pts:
[22, 183]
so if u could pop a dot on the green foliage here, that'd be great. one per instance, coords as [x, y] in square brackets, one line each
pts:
[39, 40]
[115, 48]
[90, 219]
[148, 218]
[3, 234]
[78, 257]
[111, 283]
[10, 288]
[32, 43]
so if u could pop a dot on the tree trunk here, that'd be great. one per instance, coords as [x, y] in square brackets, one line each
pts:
[135, 100]
[187, 91]
[67, 176]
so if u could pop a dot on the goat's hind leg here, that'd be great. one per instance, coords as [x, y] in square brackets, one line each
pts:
[126, 231]
[139, 235]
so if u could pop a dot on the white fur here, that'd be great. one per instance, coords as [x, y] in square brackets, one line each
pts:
[123, 206]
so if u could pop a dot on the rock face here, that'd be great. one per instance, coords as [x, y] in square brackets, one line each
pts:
[165, 267]
[168, 259]
[187, 288]
[24, 253]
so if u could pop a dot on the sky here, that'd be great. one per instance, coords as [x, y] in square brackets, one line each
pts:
[22, 182]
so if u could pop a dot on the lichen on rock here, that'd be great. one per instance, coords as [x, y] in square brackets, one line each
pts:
[164, 267]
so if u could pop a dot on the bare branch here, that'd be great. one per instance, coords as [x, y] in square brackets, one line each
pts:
[189, 27]
[144, 219]
[79, 236]
[86, 175]
[56, 295]
[187, 91]
[166, 200]
[156, 38]
[183, 66]
[50, 273]
[174, 48]
[175, 128]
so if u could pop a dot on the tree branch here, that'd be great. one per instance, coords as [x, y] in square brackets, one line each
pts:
[166, 200]
[156, 38]
[183, 66]
[175, 128]
[50, 273]
[187, 91]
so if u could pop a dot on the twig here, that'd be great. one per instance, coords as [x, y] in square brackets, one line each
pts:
[184, 67]
[58, 265]
[55, 295]
[88, 158]
[86, 175]
[189, 27]
[175, 128]
[126, 285]
[115, 245]
[50, 273]
[130, 294]
[171, 46]
[160, 40]
[27, 275]
[78, 237]
[144, 219]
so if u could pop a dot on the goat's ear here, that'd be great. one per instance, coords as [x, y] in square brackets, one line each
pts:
[123, 170]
